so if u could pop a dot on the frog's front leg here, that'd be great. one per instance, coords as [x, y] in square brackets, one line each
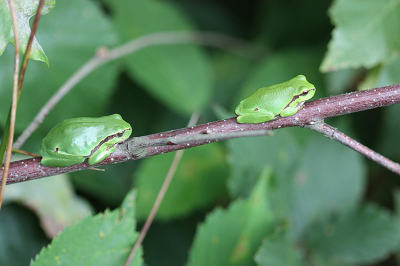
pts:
[101, 154]
[288, 111]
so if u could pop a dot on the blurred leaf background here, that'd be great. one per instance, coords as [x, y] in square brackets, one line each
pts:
[297, 198]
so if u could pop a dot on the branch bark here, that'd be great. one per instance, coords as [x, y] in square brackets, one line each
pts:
[312, 113]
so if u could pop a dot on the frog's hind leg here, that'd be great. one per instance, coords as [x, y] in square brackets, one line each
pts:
[252, 119]
[61, 160]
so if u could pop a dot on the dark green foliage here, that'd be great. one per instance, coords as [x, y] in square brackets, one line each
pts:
[296, 198]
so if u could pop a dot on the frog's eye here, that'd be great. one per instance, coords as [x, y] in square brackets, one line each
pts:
[306, 91]
[57, 150]
[120, 134]
[256, 109]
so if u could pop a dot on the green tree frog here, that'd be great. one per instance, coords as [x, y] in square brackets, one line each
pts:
[73, 140]
[273, 102]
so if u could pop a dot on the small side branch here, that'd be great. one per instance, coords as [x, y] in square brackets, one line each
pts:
[334, 134]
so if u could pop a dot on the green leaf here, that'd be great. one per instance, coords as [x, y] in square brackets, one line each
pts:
[341, 81]
[396, 196]
[198, 182]
[68, 45]
[365, 35]
[20, 235]
[309, 183]
[5, 26]
[109, 187]
[65, 207]
[320, 182]
[371, 79]
[104, 239]
[232, 236]
[249, 156]
[229, 72]
[325, 181]
[382, 75]
[24, 10]
[390, 143]
[178, 75]
[361, 236]
[279, 250]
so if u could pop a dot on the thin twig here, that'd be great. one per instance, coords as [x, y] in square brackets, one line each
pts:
[13, 102]
[160, 196]
[17, 87]
[30, 154]
[25, 61]
[334, 134]
[183, 37]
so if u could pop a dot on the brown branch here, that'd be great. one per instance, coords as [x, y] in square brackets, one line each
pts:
[313, 111]
[333, 133]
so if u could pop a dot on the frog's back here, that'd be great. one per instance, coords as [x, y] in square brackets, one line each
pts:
[82, 134]
[270, 98]
[275, 97]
